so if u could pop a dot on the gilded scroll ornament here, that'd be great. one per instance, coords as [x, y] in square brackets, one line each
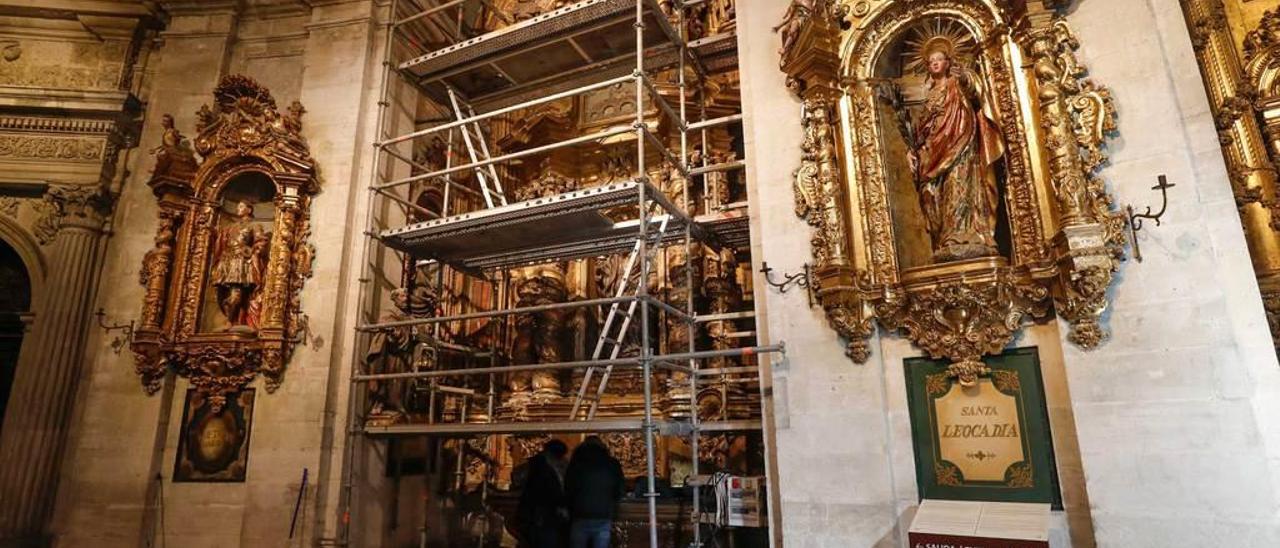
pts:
[231, 256]
[930, 92]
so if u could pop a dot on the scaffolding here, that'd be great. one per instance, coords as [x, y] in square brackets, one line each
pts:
[499, 73]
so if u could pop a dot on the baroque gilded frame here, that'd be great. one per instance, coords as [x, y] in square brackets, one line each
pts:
[243, 133]
[1066, 238]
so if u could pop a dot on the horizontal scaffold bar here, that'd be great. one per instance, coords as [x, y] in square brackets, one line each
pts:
[561, 427]
[493, 313]
[705, 318]
[728, 353]
[664, 361]
[727, 166]
[506, 110]
[600, 135]
[428, 12]
[714, 122]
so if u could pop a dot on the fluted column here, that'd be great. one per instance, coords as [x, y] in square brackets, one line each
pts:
[49, 366]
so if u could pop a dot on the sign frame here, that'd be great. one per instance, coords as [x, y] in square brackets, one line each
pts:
[1017, 373]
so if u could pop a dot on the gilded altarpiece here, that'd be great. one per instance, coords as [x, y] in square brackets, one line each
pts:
[948, 172]
[231, 252]
[1237, 46]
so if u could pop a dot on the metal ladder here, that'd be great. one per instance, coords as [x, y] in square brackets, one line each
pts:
[486, 177]
[607, 337]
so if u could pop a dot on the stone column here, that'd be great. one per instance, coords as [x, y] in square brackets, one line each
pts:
[49, 366]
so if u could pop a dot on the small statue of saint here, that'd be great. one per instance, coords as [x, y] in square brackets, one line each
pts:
[954, 150]
[392, 350]
[239, 268]
[793, 20]
[174, 156]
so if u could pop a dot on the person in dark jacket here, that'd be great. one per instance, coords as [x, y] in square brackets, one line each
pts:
[593, 485]
[543, 517]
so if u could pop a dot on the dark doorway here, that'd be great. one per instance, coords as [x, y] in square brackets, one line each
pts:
[15, 301]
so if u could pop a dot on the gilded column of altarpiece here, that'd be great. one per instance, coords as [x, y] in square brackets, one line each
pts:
[948, 172]
[1242, 80]
[231, 252]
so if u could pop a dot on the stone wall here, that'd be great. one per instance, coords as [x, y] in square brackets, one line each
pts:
[116, 488]
[1177, 413]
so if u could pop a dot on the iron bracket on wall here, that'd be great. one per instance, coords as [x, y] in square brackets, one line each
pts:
[1135, 219]
[799, 279]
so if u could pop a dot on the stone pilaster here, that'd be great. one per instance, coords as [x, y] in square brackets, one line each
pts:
[49, 366]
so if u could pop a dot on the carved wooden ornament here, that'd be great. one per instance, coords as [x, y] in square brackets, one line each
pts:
[231, 252]
[1059, 239]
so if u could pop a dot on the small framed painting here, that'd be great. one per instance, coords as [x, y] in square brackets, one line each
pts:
[213, 445]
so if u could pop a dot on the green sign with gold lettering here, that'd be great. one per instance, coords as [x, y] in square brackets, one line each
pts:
[985, 442]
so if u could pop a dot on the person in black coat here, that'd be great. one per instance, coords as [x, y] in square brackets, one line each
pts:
[542, 514]
[593, 485]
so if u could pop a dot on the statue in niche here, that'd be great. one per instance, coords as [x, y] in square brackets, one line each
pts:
[239, 268]
[723, 295]
[954, 147]
[717, 182]
[392, 350]
[541, 337]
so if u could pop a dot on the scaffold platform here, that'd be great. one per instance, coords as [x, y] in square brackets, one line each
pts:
[572, 225]
[580, 36]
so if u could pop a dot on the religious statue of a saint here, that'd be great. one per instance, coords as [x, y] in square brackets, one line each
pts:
[174, 156]
[792, 21]
[393, 350]
[541, 337]
[954, 150]
[239, 268]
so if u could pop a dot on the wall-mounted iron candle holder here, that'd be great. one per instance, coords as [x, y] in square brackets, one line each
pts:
[118, 343]
[799, 279]
[1135, 219]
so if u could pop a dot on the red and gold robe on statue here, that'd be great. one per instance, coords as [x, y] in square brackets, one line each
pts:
[957, 145]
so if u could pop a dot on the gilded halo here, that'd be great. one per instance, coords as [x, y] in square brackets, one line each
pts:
[939, 34]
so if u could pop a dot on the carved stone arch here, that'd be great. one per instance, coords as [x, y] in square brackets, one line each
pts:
[24, 243]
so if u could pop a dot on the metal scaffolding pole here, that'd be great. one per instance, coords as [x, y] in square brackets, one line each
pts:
[646, 351]
[354, 440]
[691, 329]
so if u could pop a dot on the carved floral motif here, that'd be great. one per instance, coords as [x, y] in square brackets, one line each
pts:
[51, 148]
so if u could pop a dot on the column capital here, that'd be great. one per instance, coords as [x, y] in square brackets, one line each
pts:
[76, 206]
